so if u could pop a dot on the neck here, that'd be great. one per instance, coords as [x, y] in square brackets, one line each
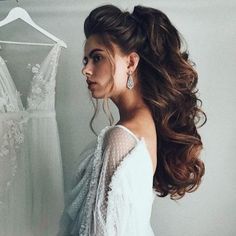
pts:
[128, 103]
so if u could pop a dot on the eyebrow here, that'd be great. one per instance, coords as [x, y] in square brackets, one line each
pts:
[93, 51]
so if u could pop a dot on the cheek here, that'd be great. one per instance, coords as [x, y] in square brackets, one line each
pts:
[103, 71]
[120, 76]
[103, 76]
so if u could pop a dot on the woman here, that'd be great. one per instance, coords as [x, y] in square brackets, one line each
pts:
[136, 61]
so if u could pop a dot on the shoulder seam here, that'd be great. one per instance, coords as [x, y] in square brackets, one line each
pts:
[129, 131]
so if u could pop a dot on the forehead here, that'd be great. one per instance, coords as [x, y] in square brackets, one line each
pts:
[95, 41]
[91, 43]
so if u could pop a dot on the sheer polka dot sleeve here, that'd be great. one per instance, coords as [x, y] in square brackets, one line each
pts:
[117, 144]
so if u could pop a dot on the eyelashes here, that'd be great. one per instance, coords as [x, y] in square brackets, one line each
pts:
[96, 58]
[85, 61]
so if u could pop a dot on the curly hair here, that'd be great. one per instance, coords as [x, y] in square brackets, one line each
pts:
[168, 87]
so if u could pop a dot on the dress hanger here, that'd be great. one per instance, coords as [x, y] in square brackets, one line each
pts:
[20, 13]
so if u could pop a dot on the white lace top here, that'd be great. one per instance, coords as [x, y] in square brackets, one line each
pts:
[112, 193]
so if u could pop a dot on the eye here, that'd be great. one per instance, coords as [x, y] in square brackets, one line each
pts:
[96, 58]
[85, 61]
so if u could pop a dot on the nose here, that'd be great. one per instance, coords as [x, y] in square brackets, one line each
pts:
[87, 71]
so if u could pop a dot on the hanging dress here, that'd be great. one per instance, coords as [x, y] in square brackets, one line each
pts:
[112, 193]
[31, 177]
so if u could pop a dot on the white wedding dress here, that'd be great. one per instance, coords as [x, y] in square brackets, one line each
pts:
[112, 194]
[31, 179]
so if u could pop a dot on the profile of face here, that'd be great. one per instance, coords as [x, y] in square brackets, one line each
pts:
[98, 70]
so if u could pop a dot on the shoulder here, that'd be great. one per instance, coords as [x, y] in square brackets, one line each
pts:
[118, 135]
[145, 128]
[141, 128]
[117, 139]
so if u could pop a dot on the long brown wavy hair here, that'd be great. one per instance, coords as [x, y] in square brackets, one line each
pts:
[168, 87]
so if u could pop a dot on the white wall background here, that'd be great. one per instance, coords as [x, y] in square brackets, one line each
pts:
[209, 27]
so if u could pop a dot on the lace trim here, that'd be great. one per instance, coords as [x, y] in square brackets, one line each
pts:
[42, 92]
[85, 228]
[5, 104]
[12, 138]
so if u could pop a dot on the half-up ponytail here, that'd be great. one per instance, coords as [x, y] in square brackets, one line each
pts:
[168, 86]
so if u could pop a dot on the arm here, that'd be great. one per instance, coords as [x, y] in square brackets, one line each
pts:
[117, 144]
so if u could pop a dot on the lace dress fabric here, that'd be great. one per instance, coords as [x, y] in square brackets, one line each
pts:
[31, 181]
[112, 191]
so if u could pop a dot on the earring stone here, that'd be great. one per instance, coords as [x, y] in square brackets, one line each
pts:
[130, 82]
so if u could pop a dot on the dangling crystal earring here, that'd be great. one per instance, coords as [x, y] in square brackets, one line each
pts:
[130, 81]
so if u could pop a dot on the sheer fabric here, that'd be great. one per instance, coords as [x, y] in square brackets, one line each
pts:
[31, 183]
[112, 194]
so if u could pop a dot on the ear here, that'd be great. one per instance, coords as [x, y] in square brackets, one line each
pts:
[133, 59]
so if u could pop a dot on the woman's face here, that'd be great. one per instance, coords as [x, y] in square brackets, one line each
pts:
[98, 69]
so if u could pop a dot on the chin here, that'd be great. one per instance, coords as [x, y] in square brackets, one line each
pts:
[97, 96]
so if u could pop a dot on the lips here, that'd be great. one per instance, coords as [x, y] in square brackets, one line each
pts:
[91, 84]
